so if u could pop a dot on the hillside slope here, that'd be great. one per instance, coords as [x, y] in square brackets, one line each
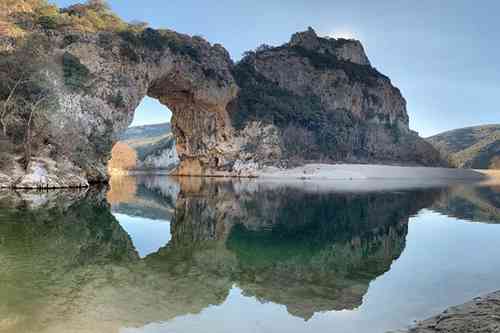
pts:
[146, 132]
[472, 147]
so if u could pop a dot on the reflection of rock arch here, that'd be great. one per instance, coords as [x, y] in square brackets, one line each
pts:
[217, 241]
[74, 265]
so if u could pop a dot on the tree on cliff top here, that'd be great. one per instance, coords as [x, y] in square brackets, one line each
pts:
[18, 18]
[98, 5]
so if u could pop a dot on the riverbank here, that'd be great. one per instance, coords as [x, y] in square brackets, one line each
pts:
[481, 315]
[368, 171]
[43, 177]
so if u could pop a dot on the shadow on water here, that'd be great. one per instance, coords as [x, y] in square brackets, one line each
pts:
[67, 263]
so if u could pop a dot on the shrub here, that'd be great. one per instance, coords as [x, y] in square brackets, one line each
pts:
[263, 100]
[153, 40]
[48, 22]
[118, 100]
[128, 52]
[93, 16]
[105, 40]
[70, 39]
[394, 130]
[76, 75]
[157, 40]
[130, 37]
[98, 5]
[212, 74]
[263, 48]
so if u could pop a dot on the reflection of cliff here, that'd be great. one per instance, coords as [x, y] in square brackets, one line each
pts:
[48, 257]
[470, 203]
[143, 196]
[71, 266]
[310, 252]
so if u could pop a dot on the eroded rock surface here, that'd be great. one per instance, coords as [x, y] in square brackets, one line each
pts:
[480, 315]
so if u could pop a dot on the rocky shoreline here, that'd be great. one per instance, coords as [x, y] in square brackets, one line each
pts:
[481, 315]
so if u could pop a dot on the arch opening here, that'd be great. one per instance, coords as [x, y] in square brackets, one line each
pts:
[148, 144]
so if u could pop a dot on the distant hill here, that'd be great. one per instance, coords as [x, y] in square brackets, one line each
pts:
[472, 147]
[146, 132]
[154, 147]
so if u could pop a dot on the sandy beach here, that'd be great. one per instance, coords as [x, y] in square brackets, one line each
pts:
[368, 171]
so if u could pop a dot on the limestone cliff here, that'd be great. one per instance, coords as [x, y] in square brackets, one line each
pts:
[227, 119]
[328, 103]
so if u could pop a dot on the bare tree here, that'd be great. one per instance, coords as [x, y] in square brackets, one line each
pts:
[25, 92]
[36, 121]
[18, 70]
[13, 83]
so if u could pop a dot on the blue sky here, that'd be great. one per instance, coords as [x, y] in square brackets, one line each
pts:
[443, 55]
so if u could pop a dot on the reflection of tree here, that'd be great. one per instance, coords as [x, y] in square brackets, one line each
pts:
[123, 157]
[121, 190]
[50, 254]
[143, 196]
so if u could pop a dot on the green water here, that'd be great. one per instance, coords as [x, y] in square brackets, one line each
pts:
[151, 254]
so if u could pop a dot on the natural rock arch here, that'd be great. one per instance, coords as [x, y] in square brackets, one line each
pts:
[192, 78]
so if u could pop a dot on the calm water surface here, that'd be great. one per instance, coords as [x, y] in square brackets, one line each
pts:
[151, 254]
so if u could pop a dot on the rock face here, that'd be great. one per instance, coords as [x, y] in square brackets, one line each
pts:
[166, 158]
[346, 50]
[320, 92]
[327, 103]
[479, 316]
